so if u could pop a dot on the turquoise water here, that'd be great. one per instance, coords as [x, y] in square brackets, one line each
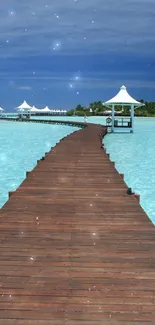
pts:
[100, 120]
[22, 144]
[134, 155]
[91, 119]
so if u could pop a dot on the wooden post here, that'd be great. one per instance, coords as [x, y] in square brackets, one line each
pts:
[113, 117]
[10, 193]
[132, 118]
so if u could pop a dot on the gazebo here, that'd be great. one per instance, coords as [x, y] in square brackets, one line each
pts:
[64, 112]
[1, 110]
[24, 107]
[45, 110]
[34, 110]
[122, 99]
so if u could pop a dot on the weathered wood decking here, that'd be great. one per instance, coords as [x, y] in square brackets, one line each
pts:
[75, 249]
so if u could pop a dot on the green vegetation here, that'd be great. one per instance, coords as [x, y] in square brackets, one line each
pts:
[97, 109]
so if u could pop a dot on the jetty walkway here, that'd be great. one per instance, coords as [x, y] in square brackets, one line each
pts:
[75, 249]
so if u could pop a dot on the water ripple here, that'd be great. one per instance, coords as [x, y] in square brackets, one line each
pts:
[134, 155]
[22, 144]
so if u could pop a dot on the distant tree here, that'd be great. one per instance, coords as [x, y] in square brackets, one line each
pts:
[118, 108]
[98, 109]
[150, 108]
[126, 111]
[79, 108]
[70, 112]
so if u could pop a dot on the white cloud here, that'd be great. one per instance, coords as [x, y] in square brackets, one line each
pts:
[112, 80]
[92, 80]
[24, 88]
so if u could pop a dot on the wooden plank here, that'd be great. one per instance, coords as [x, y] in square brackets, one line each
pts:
[74, 247]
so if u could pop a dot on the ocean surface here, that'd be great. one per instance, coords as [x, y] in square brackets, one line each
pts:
[134, 154]
[21, 145]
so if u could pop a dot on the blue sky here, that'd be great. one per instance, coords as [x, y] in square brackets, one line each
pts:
[64, 52]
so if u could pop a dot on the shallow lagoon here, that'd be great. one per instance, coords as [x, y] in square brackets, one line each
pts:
[22, 144]
[134, 154]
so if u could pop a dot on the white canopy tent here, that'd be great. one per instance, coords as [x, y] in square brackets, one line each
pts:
[46, 109]
[25, 106]
[123, 99]
[34, 110]
[1, 110]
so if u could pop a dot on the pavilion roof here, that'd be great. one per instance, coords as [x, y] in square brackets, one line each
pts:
[123, 97]
[24, 105]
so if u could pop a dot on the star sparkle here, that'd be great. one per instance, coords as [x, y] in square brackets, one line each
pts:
[12, 13]
[56, 46]
[11, 83]
[57, 16]
[75, 82]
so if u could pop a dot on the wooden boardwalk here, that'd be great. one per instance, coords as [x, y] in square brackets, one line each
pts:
[75, 249]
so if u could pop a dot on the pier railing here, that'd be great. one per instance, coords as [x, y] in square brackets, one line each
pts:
[123, 122]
